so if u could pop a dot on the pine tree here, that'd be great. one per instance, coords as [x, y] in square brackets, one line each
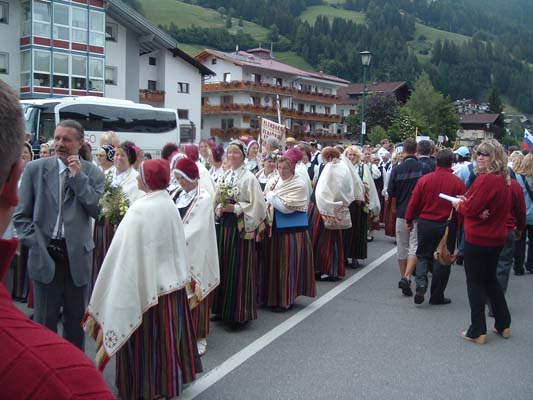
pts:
[495, 101]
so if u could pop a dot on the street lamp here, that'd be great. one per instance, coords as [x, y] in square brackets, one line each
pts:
[366, 57]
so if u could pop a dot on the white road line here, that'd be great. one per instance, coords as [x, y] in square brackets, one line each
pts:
[217, 373]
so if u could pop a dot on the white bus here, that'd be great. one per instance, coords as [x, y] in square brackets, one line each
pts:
[148, 127]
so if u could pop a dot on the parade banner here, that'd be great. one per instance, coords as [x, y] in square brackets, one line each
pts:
[271, 128]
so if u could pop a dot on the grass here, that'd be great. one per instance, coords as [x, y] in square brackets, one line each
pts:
[163, 12]
[311, 13]
[192, 49]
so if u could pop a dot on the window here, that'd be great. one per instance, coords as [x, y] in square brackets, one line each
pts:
[152, 61]
[227, 77]
[301, 107]
[254, 123]
[152, 86]
[25, 19]
[61, 73]
[205, 101]
[213, 61]
[327, 110]
[111, 75]
[41, 68]
[226, 100]
[79, 72]
[79, 25]
[278, 81]
[183, 87]
[96, 74]
[227, 123]
[256, 78]
[41, 19]
[183, 114]
[25, 57]
[256, 101]
[312, 108]
[4, 63]
[61, 22]
[97, 29]
[111, 32]
[4, 12]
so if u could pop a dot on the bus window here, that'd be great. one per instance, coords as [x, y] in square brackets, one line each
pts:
[47, 125]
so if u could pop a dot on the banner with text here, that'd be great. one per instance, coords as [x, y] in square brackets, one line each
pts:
[271, 128]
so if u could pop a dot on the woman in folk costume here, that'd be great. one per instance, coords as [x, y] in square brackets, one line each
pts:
[368, 171]
[191, 151]
[217, 161]
[269, 170]
[139, 308]
[204, 149]
[288, 259]
[195, 207]
[335, 191]
[355, 244]
[252, 155]
[241, 209]
[122, 175]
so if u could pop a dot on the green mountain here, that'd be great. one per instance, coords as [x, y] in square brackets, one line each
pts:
[466, 46]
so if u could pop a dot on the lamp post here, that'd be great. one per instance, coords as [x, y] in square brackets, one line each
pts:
[366, 56]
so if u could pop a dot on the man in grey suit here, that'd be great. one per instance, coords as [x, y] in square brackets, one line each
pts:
[58, 197]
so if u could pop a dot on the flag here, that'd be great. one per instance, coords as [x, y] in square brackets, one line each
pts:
[456, 144]
[527, 142]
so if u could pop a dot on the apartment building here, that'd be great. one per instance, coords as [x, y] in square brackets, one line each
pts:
[54, 48]
[249, 84]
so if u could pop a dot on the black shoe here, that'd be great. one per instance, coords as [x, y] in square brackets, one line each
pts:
[369, 238]
[459, 260]
[440, 302]
[405, 285]
[519, 272]
[419, 296]
[354, 264]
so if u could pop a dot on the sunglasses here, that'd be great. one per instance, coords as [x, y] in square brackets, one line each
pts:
[480, 153]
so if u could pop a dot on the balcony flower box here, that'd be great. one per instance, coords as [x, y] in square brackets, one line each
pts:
[153, 96]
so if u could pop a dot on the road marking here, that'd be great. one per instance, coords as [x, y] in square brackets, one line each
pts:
[217, 373]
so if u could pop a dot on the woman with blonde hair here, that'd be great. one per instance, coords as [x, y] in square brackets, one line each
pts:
[524, 176]
[485, 209]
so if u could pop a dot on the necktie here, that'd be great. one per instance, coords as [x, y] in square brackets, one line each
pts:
[62, 191]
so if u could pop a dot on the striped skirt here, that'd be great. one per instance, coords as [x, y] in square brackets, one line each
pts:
[235, 299]
[102, 236]
[161, 356]
[355, 243]
[287, 268]
[328, 248]
[389, 216]
[201, 317]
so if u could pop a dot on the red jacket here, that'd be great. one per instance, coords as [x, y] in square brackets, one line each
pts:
[517, 211]
[35, 363]
[425, 202]
[488, 192]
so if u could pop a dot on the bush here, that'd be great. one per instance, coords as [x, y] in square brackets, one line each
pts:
[377, 134]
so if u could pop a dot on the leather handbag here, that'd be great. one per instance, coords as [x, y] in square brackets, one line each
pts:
[296, 219]
[442, 254]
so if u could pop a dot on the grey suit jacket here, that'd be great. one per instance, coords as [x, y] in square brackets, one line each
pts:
[37, 212]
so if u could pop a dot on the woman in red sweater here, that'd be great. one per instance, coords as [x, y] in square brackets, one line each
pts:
[485, 209]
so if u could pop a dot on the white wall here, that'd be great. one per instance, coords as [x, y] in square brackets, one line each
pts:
[151, 72]
[115, 56]
[221, 67]
[10, 43]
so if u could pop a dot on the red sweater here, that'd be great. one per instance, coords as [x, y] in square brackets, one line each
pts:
[517, 211]
[425, 202]
[489, 191]
[35, 363]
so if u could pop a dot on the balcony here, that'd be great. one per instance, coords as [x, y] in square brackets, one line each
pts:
[152, 97]
[266, 88]
[234, 132]
[270, 111]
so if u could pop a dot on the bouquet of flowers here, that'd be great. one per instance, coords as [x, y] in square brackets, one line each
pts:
[114, 203]
[228, 193]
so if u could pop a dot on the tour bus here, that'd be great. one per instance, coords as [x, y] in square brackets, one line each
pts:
[150, 128]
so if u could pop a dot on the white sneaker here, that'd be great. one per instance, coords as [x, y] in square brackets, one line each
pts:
[202, 346]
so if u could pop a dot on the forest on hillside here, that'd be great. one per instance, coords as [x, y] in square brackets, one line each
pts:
[498, 54]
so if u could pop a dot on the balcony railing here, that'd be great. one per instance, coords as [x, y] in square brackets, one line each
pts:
[234, 108]
[304, 136]
[234, 132]
[266, 88]
[151, 96]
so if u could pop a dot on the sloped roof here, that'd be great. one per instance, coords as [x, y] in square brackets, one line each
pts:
[482, 118]
[356, 89]
[244, 58]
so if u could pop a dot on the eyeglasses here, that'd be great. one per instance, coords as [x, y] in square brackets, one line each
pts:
[480, 153]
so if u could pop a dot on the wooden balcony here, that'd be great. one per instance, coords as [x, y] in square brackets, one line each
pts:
[152, 97]
[266, 88]
[234, 132]
[269, 111]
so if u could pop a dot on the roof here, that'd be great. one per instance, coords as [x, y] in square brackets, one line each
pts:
[483, 118]
[152, 38]
[247, 59]
[356, 89]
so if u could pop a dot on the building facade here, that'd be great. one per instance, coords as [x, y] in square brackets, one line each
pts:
[55, 48]
[248, 85]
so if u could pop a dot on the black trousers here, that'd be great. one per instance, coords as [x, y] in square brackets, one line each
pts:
[520, 251]
[429, 236]
[482, 283]
[49, 297]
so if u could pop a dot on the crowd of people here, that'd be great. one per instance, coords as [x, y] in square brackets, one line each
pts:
[143, 254]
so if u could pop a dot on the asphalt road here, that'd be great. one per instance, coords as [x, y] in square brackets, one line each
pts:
[362, 339]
